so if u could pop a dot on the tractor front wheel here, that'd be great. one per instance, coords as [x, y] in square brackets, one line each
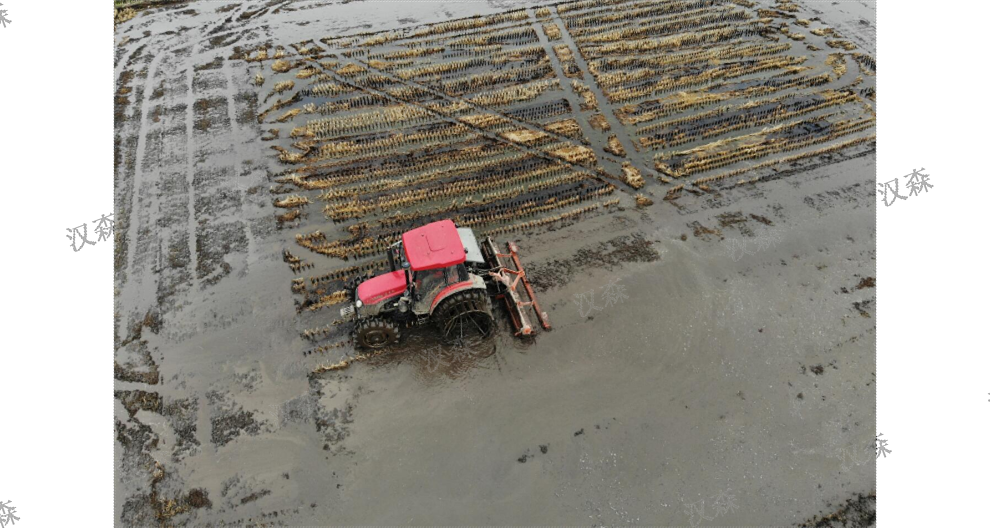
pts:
[376, 333]
[465, 315]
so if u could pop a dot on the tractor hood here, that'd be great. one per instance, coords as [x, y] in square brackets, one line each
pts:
[382, 287]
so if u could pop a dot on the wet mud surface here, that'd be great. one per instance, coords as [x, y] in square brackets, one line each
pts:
[607, 255]
[712, 357]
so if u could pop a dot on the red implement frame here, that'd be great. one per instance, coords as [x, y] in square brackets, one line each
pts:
[511, 278]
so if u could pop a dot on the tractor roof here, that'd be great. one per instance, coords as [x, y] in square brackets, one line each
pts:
[435, 245]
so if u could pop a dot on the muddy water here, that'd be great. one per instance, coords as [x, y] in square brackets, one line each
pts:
[678, 370]
[686, 388]
[856, 19]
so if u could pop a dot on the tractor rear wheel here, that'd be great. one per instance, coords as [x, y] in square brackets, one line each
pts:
[465, 315]
[376, 332]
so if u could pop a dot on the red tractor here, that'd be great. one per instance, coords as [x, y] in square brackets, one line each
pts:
[441, 274]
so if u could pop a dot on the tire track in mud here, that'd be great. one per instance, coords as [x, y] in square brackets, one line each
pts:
[170, 426]
[230, 96]
[146, 170]
[120, 67]
[191, 99]
[139, 179]
[139, 207]
[190, 165]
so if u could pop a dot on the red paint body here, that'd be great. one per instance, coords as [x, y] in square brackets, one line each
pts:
[435, 245]
[382, 287]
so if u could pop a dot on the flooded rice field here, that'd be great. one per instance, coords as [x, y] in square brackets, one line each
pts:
[690, 184]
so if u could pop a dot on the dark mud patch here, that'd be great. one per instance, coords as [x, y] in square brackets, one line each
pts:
[737, 220]
[214, 64]
[246, 108]
[860, 511]
[137, 440]
[166, 504]
[229, 420]
[817, 370]
[249, 380]
[209, 81]
[705, 233]
[255, 496]
[867, 282]
[138, 511]
[175, 277]
[199, 498]
[543, 448]
[139, 400]
[299, 410]
[213, 243]
[118, 154]
[228, 426]
[607, 255]
[222, 41]
[741, 222]
[333, 422]
[222, 201]
[139, 366]
[761, 219]
[238, 491]
[855, 195]
[179, 256]
[863, 307]
[211, 115]
[182, 415]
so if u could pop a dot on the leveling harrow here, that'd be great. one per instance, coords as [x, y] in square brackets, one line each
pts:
[440, 274]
